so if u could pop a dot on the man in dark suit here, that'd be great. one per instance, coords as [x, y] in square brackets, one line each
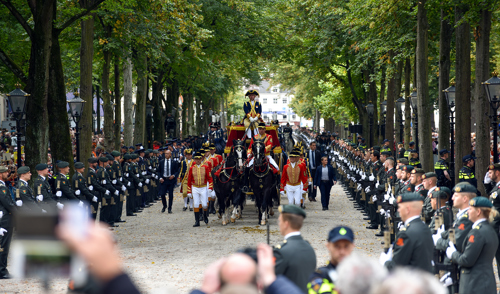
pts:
[313, 162]
[295, 257]
[324, 178]
[168, 172]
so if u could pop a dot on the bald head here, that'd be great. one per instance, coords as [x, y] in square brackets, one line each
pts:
[239, 269]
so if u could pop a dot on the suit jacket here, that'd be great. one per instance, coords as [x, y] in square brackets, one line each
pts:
[317, 158]
[413, 247]
[319, 174]
[296, 260]
[174, 169]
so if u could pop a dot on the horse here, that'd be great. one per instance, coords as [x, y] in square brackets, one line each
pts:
[288, 141]
[227, 180]
[262, 180]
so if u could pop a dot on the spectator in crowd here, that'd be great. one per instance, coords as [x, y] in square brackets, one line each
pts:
[407, 281]
[359, 275]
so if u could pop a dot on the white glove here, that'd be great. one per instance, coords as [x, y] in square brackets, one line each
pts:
[39, 198]
[387, 214]
[371, 178]
[310, 183]
[137, 175]
[212, 193]
[149, 167]
[114, 182]
[363, 177]
[450, 250]
[382, 211]
[60, 205]
[94, 199]
[117, 192]
[435, 238]
[107, 192]
[91, 188]
[374, 198]
[77, 192]
[80, 204]
[19, 203]
[440, 230]
[121, 179]
[58, 193]
[147, 181]
[282, 193]
[44, 211]
[359, 187]
[190, 196]
[367, 189]
[385, 257]
[446, 279]
[2, 231]
[377, 184]
[104, 182]
[1, 214]
[124, 188]
[144, 173]
[128, 185]
[400, 225]
[127, 175]
[140, 184]
[391, 200]
[386, 196]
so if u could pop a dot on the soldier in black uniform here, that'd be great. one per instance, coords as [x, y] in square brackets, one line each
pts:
[42, 187]
[119, 184]
[94, 185]
[63, 189]
[79, 185]
[466, 173]
[494, 174]
[439, 198]
[442, 169]
[340, 245]
[429, 181]
[7, 208]
[24, 191]
[107, 196]
[128, 177]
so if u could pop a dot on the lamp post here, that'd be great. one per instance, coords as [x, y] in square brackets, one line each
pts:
[492, 87]
[400, 106]
[413, 102]
[449, 93]
[76, 107]
[370, 109]
[383, 108]
[17, 101]
[149, 113]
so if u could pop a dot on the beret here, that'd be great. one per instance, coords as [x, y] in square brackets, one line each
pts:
[115, 153]
[418, 171]
[438, 192]
[408, 168]
[110, 158]
[126, 156]
[480, 201]
[410, 197]
[92, 160]
[429, 175]
[23, 170]
[41, 166]
[103, 159]
[495, 166]
[403, 161]
[3, 169]
[62, 164]
[464, 187]
[79, 165]
[293, 209]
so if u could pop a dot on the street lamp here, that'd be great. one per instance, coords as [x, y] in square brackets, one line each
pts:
[149, 113]
[400, 107]
[17, 101]
[449, 93]
[492, 87]
[76, 107]
[414, 102]
[370, 108]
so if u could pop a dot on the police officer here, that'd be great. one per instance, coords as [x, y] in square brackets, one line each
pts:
[466, 173]
[7, 208]
[414, 160]
[411, 146]
[442, 169]
[340, 244]
[386, 147]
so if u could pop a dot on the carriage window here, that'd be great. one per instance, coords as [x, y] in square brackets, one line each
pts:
[285, 100]
[264, 100]
[275, 100]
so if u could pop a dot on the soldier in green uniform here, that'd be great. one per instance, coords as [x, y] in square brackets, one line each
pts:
[295, 257]
[439, 197]
[340, 244]
[494, 174]
[42, 187]
[442, 169]
[7, 208]
[413, 244]
[406, 185]
[117, 180]
[79, 185]
[429, 181]
[107, 197]
[466, 173]
[63, 189]
[24, 193]
[94, 185]
[480, 245]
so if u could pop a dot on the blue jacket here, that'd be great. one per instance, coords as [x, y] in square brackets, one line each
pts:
[331, 174]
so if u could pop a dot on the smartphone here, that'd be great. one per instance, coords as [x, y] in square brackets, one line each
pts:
[36, 250]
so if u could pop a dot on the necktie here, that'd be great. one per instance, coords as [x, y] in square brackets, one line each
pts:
[312, 161]
[168, 167]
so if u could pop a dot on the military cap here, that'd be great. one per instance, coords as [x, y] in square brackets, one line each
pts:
[467, 158]
[124, 147]
[262, 125]
[386, 140]
[480, 201]
[126, 156]
[115, 153]
[198, 155]
[103, 159]
[400, 143]
[212, 146]
[110, 158]
[386, 153]
[443, 151]
[376, 148]
[294, 153]
[92, 160]
[464, 187]
[134, 156]
[413, 151]
[146, 152]
[131, 147]
[155, 152]
[62, 164]
[353, 145]
[418, 171]
[141, 150]
[340, 233]
[411, 143]
[410, 197]
[138, 144]
[403, 161]
[3, 169]
[495, 166]
[202, 150]
[429, 175]
[441, 193]
[250, 92]
[188, 151]
[41, 166]
[376, 153]
[407, 168]
[79, 165]
[23, 170]
[149, 150]
[293, 209]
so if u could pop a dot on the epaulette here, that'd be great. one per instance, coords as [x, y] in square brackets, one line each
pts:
[279, 246]
[402, 229]
[477, 227]
[465, 215]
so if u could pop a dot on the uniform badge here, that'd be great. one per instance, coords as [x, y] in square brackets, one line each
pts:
[461, 227]
[494, 195]
[316, 284]
[457, 189]
[471, 239]
[400, 242]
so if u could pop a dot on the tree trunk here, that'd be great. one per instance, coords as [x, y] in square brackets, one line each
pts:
[86, 93]
[446, 33]
[141, 97]
[482, 35]
[393, 90]
[407, 108]
[329, 124]
[128, 104]
[118, 105]
[424, 103]
[382, 98]
[106, 101]
[59, 135]
[463, 91]
[158, 124]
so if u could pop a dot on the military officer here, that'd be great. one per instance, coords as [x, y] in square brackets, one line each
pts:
[429, 181]
[466, 173]
[439, 197]
[42, 187]
[183, 175]
[413, 245]
[107, 197]
[24, 194]
[494, 174]
[199, 184]
[480, 245]
[94, 185]
[117, 180]
[416, 180]
[7, 209]
[63, 189]
[79, 185]
[131, 189]
[295, 257]
[442, 169]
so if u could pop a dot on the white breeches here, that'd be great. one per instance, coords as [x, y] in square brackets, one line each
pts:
[271, 161]
[200, 196]
[294, 194]
[249, 132]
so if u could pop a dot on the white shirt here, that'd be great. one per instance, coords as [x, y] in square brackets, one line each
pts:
[324, 173]
[478, 221]
[430, 190]
[410, 219]
[169, 165]
[461, 212]
[292, 164]
[292, 234]
[42, 177]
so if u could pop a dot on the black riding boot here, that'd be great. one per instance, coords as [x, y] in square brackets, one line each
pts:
[205, 216]
[212, 207]
[245, 188]
[197, 219]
